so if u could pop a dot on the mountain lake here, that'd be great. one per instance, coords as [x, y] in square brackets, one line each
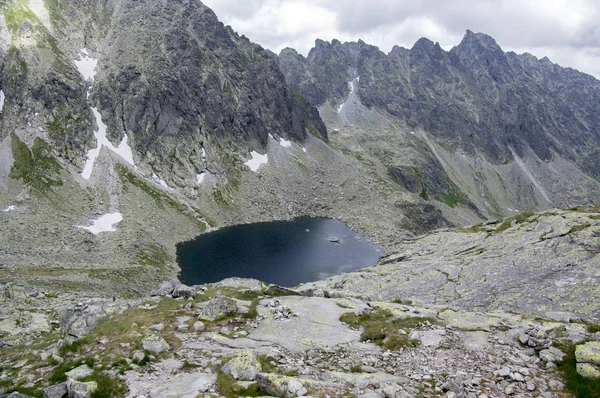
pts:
[286, 253]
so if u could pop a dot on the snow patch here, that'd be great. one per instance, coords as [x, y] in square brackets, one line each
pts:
[200, 177]
[87, 65]
[285, 143]
[203, 153]
[123, 150]
[106, 223]
[304, 150]
[256, 161]
[353, 84]
[2, 97]
[10, 208]
[161, 182]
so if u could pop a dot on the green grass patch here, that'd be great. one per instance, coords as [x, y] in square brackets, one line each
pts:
[16, 13]
[576, 384]
[381, 327]
[34, 392]
[593, 328]
[586, 209]
[520, 219]
[472, 229]
[36, 167]
[108, 387]
[579, 227]
[229, 388]
[58, 374]
[153, 255]
[452, 200]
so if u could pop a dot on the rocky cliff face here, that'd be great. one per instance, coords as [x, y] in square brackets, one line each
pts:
[474, 102]
[169, 76]
[475, 96]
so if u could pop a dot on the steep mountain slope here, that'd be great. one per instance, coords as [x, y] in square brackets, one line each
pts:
[127, 127]
[477, 108]
[124, 111]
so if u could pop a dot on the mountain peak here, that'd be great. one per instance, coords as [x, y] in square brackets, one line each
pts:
[482, 40]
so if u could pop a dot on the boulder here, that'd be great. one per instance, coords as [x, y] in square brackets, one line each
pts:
[182, 385]
[552, 354]
[166, 288]
[243, 367]
[184, 292]
[588, 352]
[14, 395]
[218, 307]
[79, 389]
[199, 326]
[558, 316]
[251, 285]
[138, 356]
[155, 344]
[79, 372]
[272, 384]
[82, 318]
[588, 370]
[56, 391]
[588, 359]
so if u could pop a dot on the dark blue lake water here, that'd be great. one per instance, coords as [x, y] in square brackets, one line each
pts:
[285, 253]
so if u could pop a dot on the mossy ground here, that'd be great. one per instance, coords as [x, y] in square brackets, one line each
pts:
[382, 328]
[579, 386]
[36, 167]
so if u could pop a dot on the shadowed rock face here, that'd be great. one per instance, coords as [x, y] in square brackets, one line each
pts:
[475, 95]
[169, 75]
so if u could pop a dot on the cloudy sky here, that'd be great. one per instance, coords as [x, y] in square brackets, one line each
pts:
[566, 31]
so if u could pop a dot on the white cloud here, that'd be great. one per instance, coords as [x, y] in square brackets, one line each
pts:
[564, 30]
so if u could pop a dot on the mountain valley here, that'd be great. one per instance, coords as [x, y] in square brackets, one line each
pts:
[127, 127]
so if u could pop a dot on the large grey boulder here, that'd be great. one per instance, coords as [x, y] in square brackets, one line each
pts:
[243, 367]
[166, 288]
[79, 372]
[56, 391]
[14, 395]
[79, 389]
[588, 359]
[218, 307]
[155, 344]
[184, 291]
[83, 317]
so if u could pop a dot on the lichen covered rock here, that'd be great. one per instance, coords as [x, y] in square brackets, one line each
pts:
[243, 367]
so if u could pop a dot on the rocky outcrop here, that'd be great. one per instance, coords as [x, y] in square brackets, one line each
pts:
[217, 307]
[181, 94]
[588, 359]
[539, 264]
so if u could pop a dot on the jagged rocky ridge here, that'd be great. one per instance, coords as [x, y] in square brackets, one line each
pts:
[474, 96]
[501, 131]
